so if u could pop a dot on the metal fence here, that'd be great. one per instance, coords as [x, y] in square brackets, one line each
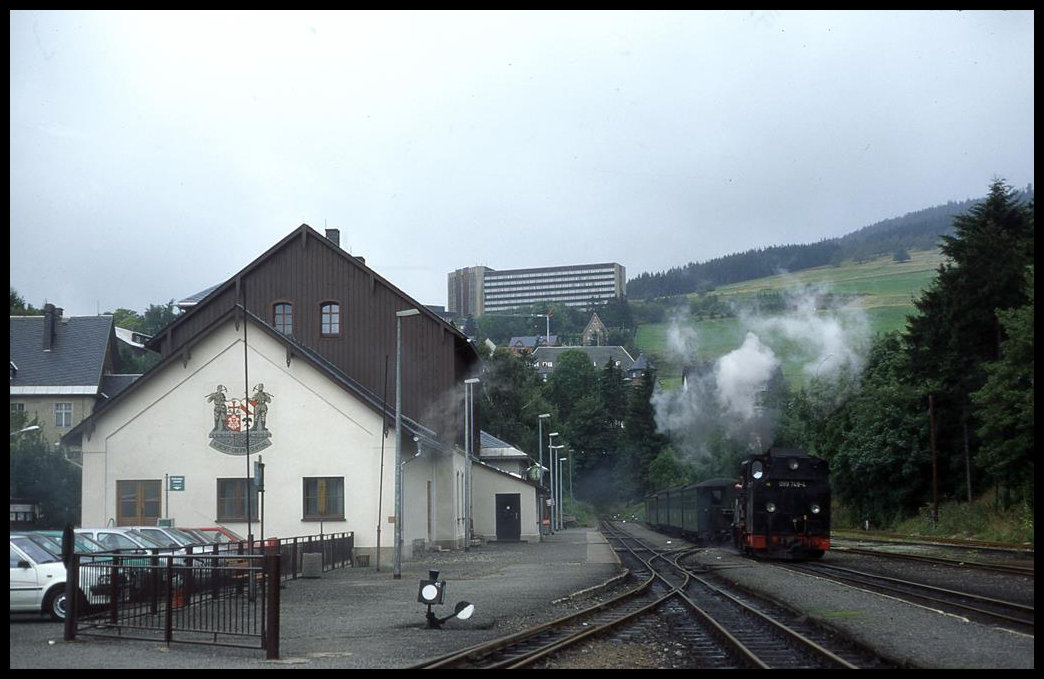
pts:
[221, 595]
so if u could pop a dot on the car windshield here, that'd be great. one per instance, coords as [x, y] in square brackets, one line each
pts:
[159, 537]
[217, 535]
[34, 549]
[146, 540]
[187, 537]
[87, 545]
[83, 543]
[50, 544]
[113, 540]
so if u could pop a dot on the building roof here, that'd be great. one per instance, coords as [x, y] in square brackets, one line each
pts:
[532, 341]
[640, 364]
[492, 447]
[132, 338]
[293, 349]
[113, 384]
[599, 357]
[193, 300]
[75, 362]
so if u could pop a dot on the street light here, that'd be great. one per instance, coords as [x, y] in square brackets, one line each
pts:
[551, 465]
[540, 445]
[399, 315]
[469, 426]
[561, 521]
[23, 430]
[556, 487]
[570, 474]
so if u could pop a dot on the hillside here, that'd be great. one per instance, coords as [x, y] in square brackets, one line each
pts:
[914, 231]
[852, 303]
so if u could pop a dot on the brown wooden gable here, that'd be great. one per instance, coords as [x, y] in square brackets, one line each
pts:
[306, 269]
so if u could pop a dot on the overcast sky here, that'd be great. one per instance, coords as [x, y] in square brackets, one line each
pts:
[154, 154]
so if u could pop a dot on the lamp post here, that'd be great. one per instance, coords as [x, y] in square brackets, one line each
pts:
[469, 426]
[399, 315]
[540, 445]
[571, 475]
[551, 465]
[24, 430]
[556, 487]
[561, 493]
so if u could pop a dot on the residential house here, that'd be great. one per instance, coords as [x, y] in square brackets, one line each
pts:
[528, 343]
[294, 363]
[62, 368]
[638, 368]
[546, 358]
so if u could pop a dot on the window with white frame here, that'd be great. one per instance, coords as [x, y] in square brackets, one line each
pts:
[330, 319]
[63, 414]
[283, 317]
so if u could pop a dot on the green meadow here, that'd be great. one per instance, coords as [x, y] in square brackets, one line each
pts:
[869, 298]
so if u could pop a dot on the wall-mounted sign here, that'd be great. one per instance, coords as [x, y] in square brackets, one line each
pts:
[176, 483]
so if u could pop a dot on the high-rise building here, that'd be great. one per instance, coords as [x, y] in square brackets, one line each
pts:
[479, 290]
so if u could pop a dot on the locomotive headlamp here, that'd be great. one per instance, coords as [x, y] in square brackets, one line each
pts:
[814, 508]
[770, 507]
[792, 463]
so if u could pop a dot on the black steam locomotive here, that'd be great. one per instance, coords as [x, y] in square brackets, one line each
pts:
[779, 507]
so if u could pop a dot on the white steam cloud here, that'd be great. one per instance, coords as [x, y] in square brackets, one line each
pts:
[727, 397]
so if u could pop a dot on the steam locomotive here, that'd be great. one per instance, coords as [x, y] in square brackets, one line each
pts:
[779, 508]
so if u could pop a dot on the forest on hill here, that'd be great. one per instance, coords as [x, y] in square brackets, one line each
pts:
[920, 230]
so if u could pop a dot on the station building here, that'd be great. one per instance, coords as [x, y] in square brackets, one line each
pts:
[293, 363]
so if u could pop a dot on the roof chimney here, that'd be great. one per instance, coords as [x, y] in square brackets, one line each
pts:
[334, 235]
[49, 320]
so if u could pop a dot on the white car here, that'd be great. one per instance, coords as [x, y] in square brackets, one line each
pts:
[173, 538]
[127, 541]
[38, 580]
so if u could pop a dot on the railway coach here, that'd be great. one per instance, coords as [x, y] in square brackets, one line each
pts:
[700, 512]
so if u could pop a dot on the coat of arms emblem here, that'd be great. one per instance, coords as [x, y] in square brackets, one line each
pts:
[240, 425]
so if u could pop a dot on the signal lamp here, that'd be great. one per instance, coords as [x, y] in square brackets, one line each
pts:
[431, 592]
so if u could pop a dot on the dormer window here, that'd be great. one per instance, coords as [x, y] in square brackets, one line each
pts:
[283, 317]
[330, 319]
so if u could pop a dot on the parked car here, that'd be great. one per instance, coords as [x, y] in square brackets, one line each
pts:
[127, 541]
[219, 534]
[196, 535]
[168, 536]
[38, 580]
[82, 543]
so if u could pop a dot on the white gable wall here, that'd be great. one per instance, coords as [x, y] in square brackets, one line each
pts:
[318, 429]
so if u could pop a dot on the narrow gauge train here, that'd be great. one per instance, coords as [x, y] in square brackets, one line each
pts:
[779, 508]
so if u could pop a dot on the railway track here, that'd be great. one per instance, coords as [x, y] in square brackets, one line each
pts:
[716, 628]
[988, 610]
[994, 565]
